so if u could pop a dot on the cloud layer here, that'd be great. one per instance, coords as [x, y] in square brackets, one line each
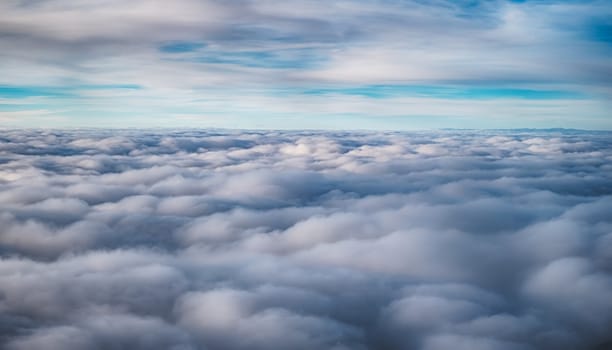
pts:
[295, 63]
[305, 240]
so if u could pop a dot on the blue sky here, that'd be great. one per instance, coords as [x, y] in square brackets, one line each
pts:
[385, 64]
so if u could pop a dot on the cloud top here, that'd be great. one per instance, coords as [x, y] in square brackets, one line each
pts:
[305, 240]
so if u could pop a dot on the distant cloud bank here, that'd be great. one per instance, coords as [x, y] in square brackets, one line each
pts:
[305, 240]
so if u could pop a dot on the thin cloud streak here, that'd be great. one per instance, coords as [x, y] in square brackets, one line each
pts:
[189, 47]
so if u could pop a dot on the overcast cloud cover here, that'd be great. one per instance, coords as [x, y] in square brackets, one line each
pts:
[305, 240]
[306, 64]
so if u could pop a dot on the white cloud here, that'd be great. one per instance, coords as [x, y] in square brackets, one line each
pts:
[195, 239]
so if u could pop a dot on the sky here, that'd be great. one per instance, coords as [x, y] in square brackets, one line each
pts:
[253, 64]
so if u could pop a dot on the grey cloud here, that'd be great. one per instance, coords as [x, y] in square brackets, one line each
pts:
[67, 41]
[104, 331]
[195, 239]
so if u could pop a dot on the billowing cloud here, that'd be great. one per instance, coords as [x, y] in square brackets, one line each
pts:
[305, 240]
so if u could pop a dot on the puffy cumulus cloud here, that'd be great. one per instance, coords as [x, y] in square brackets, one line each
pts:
[305, 240]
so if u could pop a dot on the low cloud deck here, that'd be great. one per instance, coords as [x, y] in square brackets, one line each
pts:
[305, 240]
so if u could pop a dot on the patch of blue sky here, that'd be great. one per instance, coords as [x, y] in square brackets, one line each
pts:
[441, 91]
[16, 91]
[181, 46]
[601, 31]
[277, 59]
[32, 91]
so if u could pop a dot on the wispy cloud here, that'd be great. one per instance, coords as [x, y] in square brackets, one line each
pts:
[491, 49]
